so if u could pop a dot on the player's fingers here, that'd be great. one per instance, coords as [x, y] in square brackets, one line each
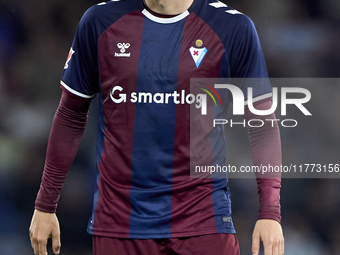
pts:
[282, 247]
[275, 250]
[56, 244]
[35, 247]
[34, 242]
[42, 243]
[268, 249]
[255, 248]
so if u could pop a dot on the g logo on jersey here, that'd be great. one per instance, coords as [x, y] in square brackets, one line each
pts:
[122, 97]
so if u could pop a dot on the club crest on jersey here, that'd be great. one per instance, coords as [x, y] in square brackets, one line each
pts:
[123, 47]
[198, 54]
[69, 57]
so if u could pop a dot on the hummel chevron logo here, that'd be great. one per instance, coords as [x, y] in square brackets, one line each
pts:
[123, 47]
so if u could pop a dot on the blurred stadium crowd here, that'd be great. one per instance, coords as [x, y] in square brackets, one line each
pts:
[300, 38]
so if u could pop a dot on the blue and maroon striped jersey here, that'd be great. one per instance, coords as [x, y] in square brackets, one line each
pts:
[133, 59]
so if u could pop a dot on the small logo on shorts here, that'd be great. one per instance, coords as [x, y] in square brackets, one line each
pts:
[123, 47]
[226, 219]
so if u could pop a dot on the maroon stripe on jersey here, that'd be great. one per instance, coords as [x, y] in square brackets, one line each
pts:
[192, 204]
[118, 67]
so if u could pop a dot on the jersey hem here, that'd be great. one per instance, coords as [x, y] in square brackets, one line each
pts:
[135, 235]
[69, 89]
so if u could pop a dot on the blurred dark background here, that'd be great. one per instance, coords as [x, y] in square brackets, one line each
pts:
[300, 38]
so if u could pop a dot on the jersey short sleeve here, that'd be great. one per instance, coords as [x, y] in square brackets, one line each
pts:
[247, 61]
[246, 57]
[80, 75]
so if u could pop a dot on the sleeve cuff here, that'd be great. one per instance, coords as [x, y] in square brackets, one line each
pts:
[45, 207]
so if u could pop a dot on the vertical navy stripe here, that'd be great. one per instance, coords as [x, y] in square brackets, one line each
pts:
[99, 148]
[153, 144]
[222, 206]
[221, 194]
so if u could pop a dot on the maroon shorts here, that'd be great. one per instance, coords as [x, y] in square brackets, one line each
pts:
[216, 244]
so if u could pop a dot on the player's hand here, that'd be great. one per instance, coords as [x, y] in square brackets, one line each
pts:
[44, 226]
[269, 232]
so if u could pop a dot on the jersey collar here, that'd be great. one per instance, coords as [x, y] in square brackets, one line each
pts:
[165, 19]
[174, 19]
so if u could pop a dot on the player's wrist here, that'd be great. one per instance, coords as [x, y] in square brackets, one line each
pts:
[270, 216]
[45, 207]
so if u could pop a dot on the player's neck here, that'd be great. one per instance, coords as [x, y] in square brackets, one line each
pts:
[168, 7]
